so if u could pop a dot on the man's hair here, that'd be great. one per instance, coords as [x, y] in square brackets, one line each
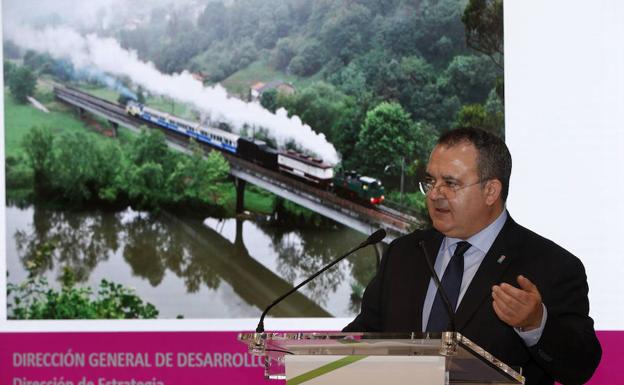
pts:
[493, 159]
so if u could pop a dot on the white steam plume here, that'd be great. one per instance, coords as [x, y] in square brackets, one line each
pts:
[107, 55]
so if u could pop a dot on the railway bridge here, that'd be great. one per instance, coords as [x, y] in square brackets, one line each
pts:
[363, 219]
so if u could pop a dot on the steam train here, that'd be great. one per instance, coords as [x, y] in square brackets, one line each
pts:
[313, 170]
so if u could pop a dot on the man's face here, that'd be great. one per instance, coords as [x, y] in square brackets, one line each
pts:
[458, 204]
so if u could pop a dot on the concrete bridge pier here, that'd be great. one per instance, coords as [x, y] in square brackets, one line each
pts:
[238, 238]
[240, 195]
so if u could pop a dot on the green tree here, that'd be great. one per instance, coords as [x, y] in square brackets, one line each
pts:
[140, 39]
[440, 34]
[213, 21]
[400, 32]
[386, 137]
[8, 69]
[309, 60]
[146, 185]
[274, 23]
[472, 116]
[36, 61]
[346, 130]
[150, 163]
[476, 115]
[347, 32]
[75, 167]
[419, 91]
[38, 144]
[268, 100]
[174, 56]
[471, 77]
[319, 105]
[109, 167]
[149, 146]
[35, 299]
[352, 81]
[283, 53]
[483, 21]
[195, 179]
[496, 111]
[22, 84]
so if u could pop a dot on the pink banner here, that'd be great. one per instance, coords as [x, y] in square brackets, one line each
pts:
[167, 358]
[127, 358]
[610, 367]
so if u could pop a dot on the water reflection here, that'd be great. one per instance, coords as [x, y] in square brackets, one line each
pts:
[301, 254]
[152, 248]
[233, 273]
[76, 240]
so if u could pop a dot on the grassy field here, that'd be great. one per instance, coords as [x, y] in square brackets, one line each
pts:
[259, 71]
[256, 200]
[259, 201]
[19, 118]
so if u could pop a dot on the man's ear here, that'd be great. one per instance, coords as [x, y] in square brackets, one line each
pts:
[493, 189]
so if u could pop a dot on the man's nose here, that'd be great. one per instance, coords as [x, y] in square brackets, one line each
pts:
[435, 193]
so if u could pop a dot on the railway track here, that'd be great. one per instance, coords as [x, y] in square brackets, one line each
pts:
[398, 214]
[400, 222]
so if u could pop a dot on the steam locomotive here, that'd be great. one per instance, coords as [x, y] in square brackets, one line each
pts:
[313, 170]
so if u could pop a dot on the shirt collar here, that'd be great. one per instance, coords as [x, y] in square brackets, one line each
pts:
[484, 239]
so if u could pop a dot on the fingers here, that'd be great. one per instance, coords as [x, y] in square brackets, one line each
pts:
[506, 294]
[525, 284]
[518, 307]
[510, 293]
[504, 315]
[503, 309]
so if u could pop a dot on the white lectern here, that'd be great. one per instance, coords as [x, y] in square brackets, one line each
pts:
[377, 358]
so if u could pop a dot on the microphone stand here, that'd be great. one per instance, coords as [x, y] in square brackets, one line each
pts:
[373, 238]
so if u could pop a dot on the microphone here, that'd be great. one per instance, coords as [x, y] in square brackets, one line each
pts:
[436, 280]
[375, 237]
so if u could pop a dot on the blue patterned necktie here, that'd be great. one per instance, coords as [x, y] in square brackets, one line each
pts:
[451, 282]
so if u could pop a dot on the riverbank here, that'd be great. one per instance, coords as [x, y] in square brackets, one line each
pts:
[62, 123]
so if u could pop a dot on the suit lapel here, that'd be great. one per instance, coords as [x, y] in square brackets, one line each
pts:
[494, 265]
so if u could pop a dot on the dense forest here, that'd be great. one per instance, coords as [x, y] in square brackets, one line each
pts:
[380, 78]
[376, 77]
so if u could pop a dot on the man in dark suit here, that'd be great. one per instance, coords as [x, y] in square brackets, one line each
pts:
[516, 294]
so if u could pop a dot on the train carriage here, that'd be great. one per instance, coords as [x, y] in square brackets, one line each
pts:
[258, 152]
[313, 170]
[214, 137]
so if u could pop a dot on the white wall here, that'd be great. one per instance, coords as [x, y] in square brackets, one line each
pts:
[564, 78]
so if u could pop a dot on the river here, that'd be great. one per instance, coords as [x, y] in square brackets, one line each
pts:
[191, 268]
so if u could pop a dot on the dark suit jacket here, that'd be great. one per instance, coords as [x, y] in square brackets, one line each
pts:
[568, 350]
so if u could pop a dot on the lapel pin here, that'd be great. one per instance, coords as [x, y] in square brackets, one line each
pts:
[501, 259]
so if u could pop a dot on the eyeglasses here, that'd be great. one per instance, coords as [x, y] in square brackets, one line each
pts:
[448, 188]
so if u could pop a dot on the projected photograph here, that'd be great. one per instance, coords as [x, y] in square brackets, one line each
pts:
[199, 158]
